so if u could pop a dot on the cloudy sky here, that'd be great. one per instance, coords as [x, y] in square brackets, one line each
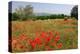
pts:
[45, 7]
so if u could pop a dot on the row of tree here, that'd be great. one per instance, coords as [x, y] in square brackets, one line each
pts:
[53, 16]
[26, 13]
[22, 13]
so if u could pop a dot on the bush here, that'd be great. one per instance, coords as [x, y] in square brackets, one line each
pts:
[15, 16]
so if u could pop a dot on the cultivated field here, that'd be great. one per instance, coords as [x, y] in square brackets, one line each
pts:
[41, 35]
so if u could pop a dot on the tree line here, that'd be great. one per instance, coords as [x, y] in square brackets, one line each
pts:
[26, 13]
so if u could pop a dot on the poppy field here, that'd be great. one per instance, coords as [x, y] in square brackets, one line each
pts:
[44, 35]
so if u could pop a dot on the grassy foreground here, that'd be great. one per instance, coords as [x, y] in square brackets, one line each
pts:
[65, 35]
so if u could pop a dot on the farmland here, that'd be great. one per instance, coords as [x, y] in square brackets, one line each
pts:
[58, 33]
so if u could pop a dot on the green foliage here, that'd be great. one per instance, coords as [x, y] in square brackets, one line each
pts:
[15, 16]
[74, 12]
[22, 13]
[54, 16]
[26, 13]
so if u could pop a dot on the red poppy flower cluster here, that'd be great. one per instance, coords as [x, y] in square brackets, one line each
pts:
[43, 41]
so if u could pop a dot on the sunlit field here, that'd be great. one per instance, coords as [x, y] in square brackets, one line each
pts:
[41, 35]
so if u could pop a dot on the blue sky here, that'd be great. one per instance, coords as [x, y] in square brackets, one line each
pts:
[45, 7]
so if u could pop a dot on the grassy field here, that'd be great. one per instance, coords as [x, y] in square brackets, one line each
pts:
[66, 33]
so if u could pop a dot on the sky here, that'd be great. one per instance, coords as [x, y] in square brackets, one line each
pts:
[45, 7]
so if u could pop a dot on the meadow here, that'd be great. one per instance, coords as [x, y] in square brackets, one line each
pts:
[42, 35]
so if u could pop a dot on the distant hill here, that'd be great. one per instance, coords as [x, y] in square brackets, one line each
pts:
[42, 14]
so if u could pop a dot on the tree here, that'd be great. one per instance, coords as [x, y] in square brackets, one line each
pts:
[15, 16]
[28, 11]
[24, 13]
[74, 12]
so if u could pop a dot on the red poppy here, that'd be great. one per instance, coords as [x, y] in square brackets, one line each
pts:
[14, 42]
[43, 34]
[32, 43]
[50, 33]
[59, 45]
[54, 43]
[37, 40]
[57, 33]
[22, 37]
[39, 46]
[47, 48]
[48, 39]
[37, 34]
[21, 46]
[57, 38]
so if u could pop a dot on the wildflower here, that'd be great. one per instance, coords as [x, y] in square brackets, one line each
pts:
[59, 45]
[57, 38]
[32, 43]
[47, 48]
[22, 37]
[51, 34]
[39, 46]
[37, 34]
[14, 42]
[21, 46]
[43, 35]
[54, 43]
[57, 33]
[48, 39]
[37, 40]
